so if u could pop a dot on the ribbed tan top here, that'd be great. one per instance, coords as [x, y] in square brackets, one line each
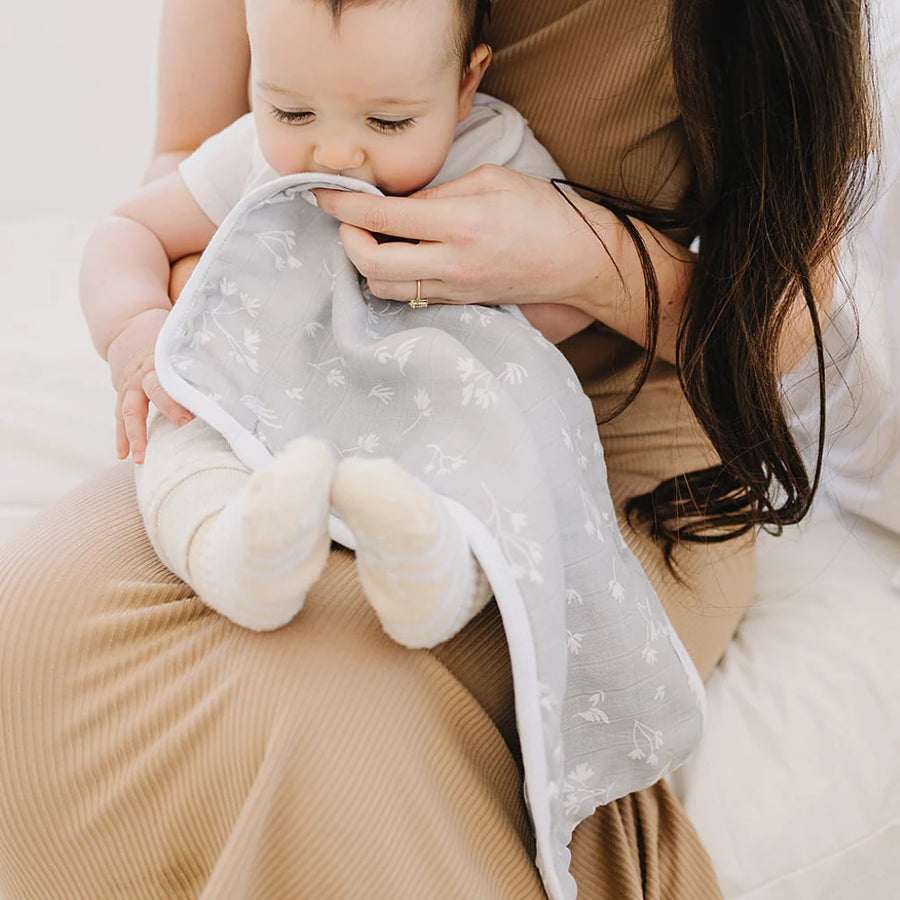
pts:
[594, 79]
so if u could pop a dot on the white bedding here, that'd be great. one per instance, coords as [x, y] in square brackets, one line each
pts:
[56, 403]
[795, 788]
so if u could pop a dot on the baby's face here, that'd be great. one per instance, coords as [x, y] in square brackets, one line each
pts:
[375, 95]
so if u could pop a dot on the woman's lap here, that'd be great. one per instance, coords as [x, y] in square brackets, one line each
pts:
[152, 749]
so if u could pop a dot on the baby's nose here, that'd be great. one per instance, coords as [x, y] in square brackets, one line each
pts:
[338, 155]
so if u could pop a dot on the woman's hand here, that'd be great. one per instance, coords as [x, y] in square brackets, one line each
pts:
[133, 372]
[493, 236]
[496, 236]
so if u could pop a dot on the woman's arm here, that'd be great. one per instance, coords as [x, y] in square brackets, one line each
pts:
[204, 65]
[204, 68]
[495, 236]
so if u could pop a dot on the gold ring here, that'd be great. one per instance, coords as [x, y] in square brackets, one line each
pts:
[419, 302]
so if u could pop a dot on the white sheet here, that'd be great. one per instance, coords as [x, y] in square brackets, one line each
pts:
[795, 788]
[56, 402]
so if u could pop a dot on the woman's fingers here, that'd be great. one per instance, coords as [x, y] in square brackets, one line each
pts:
[482, 180]
[393, 216]
[406, 292]
[391, 260]
[493, 236]
[442, 227]
[392, 269]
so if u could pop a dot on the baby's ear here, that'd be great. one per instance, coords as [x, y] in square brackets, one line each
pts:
[478, 63]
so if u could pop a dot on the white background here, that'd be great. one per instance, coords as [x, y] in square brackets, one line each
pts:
[77, 94]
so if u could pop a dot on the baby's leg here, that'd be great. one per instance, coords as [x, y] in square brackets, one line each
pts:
[413, 560]
[250, 545]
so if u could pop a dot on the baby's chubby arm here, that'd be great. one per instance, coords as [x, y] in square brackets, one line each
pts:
[124, 294]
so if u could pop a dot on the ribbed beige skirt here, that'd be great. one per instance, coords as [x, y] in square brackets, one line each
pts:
[151, 749]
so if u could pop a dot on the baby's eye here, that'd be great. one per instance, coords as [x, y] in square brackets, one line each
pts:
[292, 117]
[390, 126]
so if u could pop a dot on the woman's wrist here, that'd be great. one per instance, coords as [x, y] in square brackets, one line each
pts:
[556, 321]
[613, 285]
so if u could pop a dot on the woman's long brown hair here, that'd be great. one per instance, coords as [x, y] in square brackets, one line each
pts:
[778, 110]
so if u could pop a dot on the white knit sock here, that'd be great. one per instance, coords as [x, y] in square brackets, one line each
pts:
[413, 560]
[255, 560]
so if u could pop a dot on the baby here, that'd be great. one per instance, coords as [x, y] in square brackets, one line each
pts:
[370, 90]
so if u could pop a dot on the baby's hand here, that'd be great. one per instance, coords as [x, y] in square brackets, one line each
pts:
[130, 358]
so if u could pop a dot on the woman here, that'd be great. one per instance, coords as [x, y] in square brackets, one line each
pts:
[152, 750]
